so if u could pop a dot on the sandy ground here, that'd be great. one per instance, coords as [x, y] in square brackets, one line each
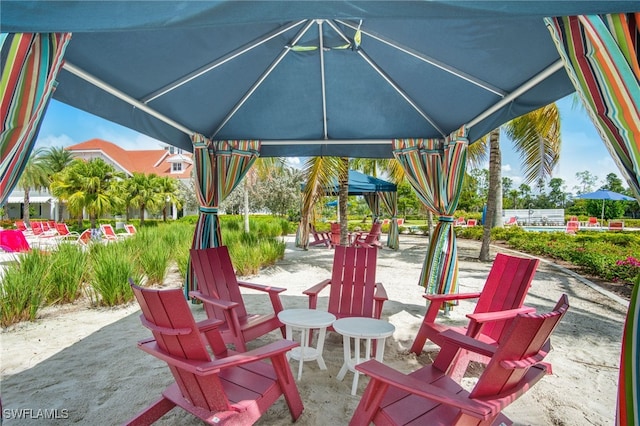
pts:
[83, 362]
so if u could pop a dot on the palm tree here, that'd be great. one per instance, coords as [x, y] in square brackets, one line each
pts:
[319, 173]
[56, 160]
[35, 176]
[144, 192]
[167, 191]
[537, 139]
[88, 186]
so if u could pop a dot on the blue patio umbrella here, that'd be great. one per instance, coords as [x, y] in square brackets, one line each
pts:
[603, 194]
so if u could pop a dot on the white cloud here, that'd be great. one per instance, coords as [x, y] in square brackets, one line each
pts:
[55, 140]
[128, 139]
[294, 162]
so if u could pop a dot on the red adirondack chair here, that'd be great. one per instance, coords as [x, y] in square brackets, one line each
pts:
[219, 290]
[230, 388]
[319, 238]
[500, 300]
[353, 288]
[429, 397]
[65, 233]
[369, 239]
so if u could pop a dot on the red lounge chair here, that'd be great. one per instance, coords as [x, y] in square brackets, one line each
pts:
[108, 233]
[319, 238]
[63, 231]
[429, 397]
[593, 222]
[219, 290]
[499, 301]
[13, 241]
[131, 230]
[353, 288]
[616, 225]
[226, 389]
[572, 227]
[369, 239]
[20, 225]
[459, 222]
[513, 221]
[472, 222]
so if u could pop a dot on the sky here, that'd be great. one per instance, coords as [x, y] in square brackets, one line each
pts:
[582, 148]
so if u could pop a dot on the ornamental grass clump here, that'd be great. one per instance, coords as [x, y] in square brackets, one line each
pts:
[23, 287]
[68, 271]
[111, 267]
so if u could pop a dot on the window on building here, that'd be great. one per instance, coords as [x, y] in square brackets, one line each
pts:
[176, 167]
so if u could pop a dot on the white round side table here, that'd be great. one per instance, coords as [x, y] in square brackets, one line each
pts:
[361, 328]
[306, 320]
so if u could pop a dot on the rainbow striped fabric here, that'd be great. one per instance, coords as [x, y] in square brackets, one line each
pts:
[435, 168]
[390, 202]
[601, 57]
[30, 65]
[219, 167]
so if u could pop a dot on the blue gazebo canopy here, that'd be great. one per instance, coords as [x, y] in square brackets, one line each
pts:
[361, 184]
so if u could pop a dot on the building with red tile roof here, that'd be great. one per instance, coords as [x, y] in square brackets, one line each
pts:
[163, 162]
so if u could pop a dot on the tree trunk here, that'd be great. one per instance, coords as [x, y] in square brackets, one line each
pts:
[93, 219]
[245, 197]
[26, 216]
[164, 213]
[141, 214]
[495, 180]
[343, 197]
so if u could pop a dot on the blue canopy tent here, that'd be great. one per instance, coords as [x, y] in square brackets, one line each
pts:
[231, 80]
[372, 189]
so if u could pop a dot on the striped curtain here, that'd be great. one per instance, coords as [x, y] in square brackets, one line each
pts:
[30, 65]
[435, 168]
[601, 57]
[219, 167]
[374, 204]
[390, 202]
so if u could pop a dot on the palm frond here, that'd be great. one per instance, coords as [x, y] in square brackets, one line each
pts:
[536, 138]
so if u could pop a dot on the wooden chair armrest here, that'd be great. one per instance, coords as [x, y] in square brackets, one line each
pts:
[261, 287]
[222, 304]
[447, 297]
[378, 371]
[204, 368]
[314, 291]
[467, 342]
[438, 299]
[530, 360]
[500, 315]
[380, 293]
[209, 324]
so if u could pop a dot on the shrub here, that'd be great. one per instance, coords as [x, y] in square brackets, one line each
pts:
[23, 287]
[111, 266]
[68, 271]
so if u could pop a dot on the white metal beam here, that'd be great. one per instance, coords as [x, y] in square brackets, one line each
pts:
[322, 81]
[425, 58]
[262, 78]
[547, 72]
[220, 61]
[125, 97]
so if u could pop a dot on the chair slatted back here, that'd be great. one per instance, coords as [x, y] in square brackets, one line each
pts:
[353, 282]
[523, 345]
[374, 233]
[167, 315]
[335, 234]
[505, 288]
[216, 277]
